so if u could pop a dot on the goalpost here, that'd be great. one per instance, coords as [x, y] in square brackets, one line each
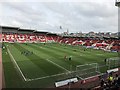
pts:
[87, 70]
[113, 62]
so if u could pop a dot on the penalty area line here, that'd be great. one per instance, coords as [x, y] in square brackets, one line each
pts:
[57, 65]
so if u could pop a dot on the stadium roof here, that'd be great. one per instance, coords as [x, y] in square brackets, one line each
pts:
[42, 32]
[27, 30]
[52, 34]
[9, 27]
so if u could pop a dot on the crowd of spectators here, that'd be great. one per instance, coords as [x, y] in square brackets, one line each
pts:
[110, 82]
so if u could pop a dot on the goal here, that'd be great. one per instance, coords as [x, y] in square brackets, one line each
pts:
[113, 62]
[87, 70]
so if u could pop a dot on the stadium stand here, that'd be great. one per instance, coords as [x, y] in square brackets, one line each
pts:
[15, 34]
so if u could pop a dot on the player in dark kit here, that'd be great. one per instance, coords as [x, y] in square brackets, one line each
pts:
[105, 61]
[70, 58]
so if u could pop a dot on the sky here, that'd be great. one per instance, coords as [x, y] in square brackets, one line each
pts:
[49, 15]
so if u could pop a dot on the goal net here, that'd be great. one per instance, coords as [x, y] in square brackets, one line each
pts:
[87, 70]
[113, 62]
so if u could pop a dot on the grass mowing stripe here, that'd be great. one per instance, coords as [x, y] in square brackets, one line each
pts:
[43, 71]
[90, 55]
[13, 78]
[55, 58]
[26, 64]
[89, 59]
[50, 55]
[44, 77]
[82, 59]
[12, 58]
[59, 52]
[70, 52]
[90, 52]
[56, 50]
[10, 72]
[46, 64]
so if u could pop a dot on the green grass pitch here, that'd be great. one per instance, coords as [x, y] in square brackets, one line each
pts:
[39, 69]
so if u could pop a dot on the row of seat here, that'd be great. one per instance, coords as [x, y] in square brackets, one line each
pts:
[23, 38]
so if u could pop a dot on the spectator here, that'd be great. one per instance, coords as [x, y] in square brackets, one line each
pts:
[110, 80]
[116, 79]
[118, 82]
[102, 82]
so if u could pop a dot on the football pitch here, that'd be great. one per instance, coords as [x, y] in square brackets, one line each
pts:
[41, 65]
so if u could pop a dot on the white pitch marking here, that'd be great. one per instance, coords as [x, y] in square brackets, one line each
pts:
[16, 64]
[40, 77]
[57, 65]
[45, 77]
